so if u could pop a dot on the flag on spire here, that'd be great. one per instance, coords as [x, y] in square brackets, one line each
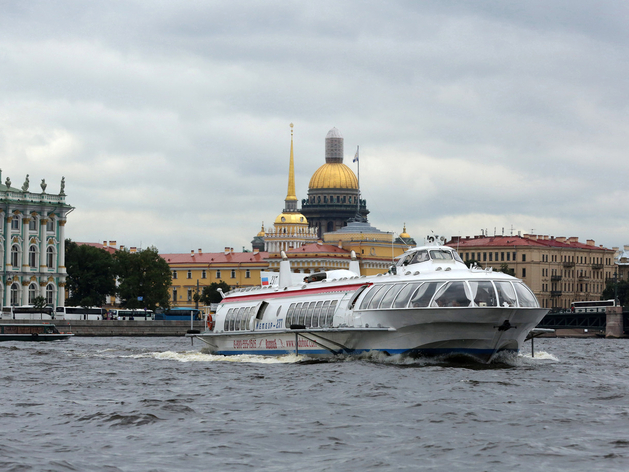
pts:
[356, 155]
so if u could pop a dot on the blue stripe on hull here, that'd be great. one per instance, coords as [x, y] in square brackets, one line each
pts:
[479, 353]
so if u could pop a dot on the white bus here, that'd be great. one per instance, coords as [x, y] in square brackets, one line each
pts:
[594, 306]
[131, 314]
[27, 313]
[79, 313]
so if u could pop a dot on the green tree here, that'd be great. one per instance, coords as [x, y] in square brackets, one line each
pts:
[39, 302]
[144, 279]
[91, 275]
[504, 268]
[210, 293]
[623, 291]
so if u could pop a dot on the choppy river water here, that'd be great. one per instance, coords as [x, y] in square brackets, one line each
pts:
[158, 404]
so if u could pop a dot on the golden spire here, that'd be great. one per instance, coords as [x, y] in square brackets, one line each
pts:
[290, 195]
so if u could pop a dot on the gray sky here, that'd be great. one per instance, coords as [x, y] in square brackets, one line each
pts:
[170, 120]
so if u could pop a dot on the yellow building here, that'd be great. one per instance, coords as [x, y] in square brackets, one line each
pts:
[196, 270]
[375, 250]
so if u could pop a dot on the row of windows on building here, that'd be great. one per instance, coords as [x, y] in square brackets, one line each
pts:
[189, 297]
[501, 256]
[218, 274]
[571, 273]
[16, 224]
[32, 293]
[572, 287]
[491, 256]
[33, 254]
[333, 199]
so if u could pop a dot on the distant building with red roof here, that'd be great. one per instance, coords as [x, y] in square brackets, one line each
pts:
[559, 270]
[237, 269]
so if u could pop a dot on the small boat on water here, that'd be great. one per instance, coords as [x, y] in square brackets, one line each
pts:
[31, 332]
[430, 303]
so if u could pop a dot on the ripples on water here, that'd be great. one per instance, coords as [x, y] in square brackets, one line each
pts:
[157, 404]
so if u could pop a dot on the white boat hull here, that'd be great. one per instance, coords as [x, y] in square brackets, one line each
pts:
[479, 332]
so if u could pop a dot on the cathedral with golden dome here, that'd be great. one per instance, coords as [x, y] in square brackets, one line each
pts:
[331, 224]
[333, 192]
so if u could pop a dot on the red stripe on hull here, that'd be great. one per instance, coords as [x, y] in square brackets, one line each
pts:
[292, 293]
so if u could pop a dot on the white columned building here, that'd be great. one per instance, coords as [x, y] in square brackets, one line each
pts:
[32, 243]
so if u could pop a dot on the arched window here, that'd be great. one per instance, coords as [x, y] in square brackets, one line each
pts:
[32, 224]
[15, 293]
[50, 257]
[32, 293]
[15, 256]
[50, 294]
[32, 257]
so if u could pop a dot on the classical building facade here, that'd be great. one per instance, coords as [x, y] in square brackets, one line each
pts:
[375, 250]
[558, 270]
[32, 245]
[333, 192]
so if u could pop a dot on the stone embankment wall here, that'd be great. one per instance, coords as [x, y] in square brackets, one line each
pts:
[119, 328]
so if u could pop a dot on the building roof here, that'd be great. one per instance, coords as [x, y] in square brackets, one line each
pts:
[216, 258]
[109, 249]
[530, 240]
[358, 227]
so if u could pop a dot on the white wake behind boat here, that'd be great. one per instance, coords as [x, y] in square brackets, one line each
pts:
[430, 303]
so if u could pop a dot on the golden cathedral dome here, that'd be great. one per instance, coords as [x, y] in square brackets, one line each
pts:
[291, 219]
[262, 233]
[333, 175]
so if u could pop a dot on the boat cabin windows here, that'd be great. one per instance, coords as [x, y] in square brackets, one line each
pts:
[444, 294]
[377, 298]
[423, 295]
[506, 294]
[483, 293]
[441, 255]
[525, 296]
[388, 298]
[452, 294]
[424, 255]
[311, 314]
[416, 257]
[239, 319]
[404, 296]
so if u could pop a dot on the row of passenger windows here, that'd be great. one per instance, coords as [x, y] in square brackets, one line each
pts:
[239, 319]
[448, 294]
[311, 314]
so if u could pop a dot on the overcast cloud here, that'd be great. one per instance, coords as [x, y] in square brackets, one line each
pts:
[170, 120]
